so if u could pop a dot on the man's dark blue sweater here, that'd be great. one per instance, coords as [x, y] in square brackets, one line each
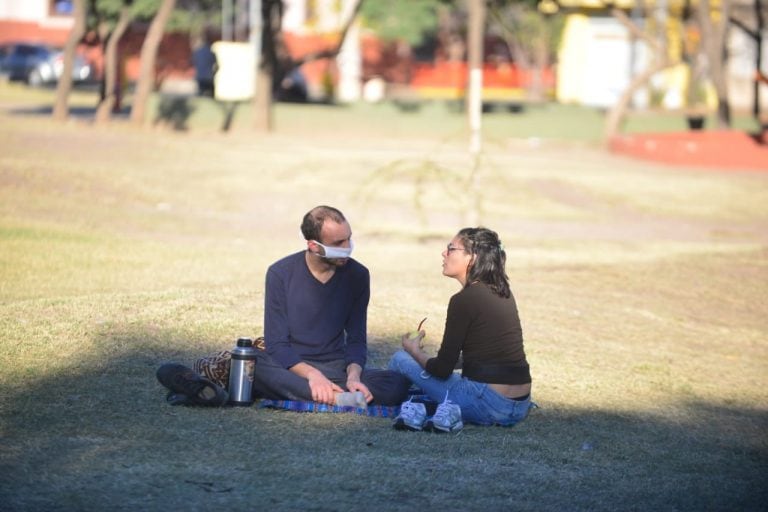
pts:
[305, 319]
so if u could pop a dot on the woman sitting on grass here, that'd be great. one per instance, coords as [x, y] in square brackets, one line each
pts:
[482, 328]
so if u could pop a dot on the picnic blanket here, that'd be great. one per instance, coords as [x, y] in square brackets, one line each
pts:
[381, 411]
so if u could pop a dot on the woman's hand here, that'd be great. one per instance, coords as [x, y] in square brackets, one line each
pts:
[413, 344]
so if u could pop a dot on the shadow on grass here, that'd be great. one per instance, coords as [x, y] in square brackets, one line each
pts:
[98, 434]
[76, 112]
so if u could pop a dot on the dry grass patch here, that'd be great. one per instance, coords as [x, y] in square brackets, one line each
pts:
[641, 290]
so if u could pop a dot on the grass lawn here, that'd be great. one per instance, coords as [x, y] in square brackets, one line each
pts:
[642, 290]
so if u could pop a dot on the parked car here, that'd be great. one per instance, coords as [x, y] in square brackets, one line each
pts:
[39, 64]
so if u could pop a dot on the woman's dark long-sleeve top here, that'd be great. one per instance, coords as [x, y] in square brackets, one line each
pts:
[485, 330]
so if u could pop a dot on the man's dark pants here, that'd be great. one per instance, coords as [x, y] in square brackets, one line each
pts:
[274, 382]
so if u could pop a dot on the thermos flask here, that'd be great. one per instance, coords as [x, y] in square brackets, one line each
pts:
[241, 371]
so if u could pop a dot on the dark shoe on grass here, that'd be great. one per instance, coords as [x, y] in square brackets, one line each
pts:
[177, 399]
[197, 390]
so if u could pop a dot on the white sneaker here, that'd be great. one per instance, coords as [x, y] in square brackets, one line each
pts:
[411, 417]
[447, 418]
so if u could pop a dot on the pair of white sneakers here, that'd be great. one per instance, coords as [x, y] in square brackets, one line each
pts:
[413, 416]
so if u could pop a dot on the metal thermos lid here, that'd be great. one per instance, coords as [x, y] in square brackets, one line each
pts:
[244, 342]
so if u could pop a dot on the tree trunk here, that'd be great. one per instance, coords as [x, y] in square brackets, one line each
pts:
[262, 102]
[616, 116]
[475, 79]
[271, 20]
[275, 60]
[756, 35]
[334, 52]
[475, 37]
[758, 57]
[148, 58]
[64, 87]
[541, 62]
[713, 36]
[107, 103]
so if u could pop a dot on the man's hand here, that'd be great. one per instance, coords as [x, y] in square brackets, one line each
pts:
[323, 390]
[353, 381]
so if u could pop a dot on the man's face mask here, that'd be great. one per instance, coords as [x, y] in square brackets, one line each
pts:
[336, 252]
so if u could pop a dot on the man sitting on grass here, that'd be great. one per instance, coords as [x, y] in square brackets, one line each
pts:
[315, 321]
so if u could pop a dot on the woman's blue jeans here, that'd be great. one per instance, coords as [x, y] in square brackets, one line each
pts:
[479, 403]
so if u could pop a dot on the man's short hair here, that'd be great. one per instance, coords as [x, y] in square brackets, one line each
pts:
[313, 221]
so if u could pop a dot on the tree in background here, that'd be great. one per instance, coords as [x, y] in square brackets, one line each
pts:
[148, 58]
[109, 20]
[754, 30]
[714, 23]
[661, 61]
[406, 24]
[112, 19]
[532, 37]
[271, 64]
[704, 26]
[402, 20]
[64, 87]
[276, 63]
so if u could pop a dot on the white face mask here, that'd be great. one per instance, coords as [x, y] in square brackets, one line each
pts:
[336, 252]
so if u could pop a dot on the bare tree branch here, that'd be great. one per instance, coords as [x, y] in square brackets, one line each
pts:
[663, 61]
[328, 54]
[111, 65]
[635, 30]
[751, 33]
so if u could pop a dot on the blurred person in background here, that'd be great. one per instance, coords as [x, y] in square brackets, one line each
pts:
[204, 62]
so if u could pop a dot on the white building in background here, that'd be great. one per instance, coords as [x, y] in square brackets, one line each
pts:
[598, 62]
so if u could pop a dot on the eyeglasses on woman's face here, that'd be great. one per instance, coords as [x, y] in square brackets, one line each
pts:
[450, 248]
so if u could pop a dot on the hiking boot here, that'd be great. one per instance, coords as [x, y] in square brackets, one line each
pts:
[198, 390]
[447, 418]
[411, 417]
